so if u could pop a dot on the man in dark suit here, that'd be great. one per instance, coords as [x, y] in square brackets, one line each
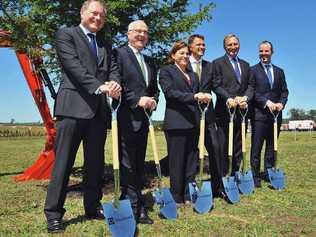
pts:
[208, 84]
[233, 73]
[140, 91]
[271, 94]
[89, 73]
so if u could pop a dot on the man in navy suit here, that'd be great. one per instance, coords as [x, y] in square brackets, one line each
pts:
[271, 95]
[208, 83]
[89, 74]
[140, 91]
[233, 73]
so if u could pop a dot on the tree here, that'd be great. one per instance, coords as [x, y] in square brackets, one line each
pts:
[33, 23]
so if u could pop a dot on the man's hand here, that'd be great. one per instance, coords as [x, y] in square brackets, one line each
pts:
[279, 106]
[147, 102]
[241, 101]
[112, 89]
[271, 105]
[231, 103]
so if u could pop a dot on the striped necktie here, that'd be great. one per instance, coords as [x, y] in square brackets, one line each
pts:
[269, 74]
[236, 68]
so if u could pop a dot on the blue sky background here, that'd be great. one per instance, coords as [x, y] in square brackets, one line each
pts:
[290, 26]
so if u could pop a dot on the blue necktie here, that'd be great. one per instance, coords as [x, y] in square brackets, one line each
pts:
[269, 75]
[93, 45]
[236, 68]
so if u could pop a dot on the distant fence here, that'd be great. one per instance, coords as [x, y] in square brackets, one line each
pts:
[22, 131]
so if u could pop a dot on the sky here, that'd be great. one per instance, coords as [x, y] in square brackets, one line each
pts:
[289, 25]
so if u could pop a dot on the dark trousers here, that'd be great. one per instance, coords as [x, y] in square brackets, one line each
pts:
[182, 146]
[132, 158]
[214, 139]
[70, 132]
[262, 131]
[237, 152]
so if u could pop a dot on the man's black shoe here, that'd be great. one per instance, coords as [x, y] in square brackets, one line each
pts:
[55, 226]
[98, 215]
[257, 183]
[143, 218]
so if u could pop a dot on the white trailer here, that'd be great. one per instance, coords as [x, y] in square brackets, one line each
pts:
[301, 125]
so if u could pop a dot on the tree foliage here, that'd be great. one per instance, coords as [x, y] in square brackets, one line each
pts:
[32, 23]
[301, 114]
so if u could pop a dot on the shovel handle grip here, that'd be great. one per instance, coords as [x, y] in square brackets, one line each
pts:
[230, 138]
[243, 137]
[154, 144]
[202, 139]
[275, 135]
[115, 145]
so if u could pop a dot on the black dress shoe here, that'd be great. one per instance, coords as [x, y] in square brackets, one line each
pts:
[98, 215]
[143, 218]
[257, 183]
[55, 226]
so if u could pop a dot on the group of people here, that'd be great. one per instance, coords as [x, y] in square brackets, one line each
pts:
[92, 71]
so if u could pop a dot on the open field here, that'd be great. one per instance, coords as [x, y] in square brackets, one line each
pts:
[267, 212]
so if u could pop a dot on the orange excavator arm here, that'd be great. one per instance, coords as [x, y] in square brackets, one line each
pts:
[41, 168]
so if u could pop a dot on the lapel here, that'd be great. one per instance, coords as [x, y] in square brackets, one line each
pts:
[134, 60]
[231, 69]
[84, 38]
[101, 51]
[180, 75]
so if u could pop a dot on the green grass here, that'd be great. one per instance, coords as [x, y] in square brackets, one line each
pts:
[267, 212]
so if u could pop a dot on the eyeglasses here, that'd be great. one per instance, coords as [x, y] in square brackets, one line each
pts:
[145, 32]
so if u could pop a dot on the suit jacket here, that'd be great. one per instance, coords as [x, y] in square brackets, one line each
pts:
[81, 74]
[134, 86]
[181, 108]
[224, 73]
[263, 92]
[209, 83]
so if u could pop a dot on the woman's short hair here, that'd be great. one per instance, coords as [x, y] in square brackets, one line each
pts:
[176, 47]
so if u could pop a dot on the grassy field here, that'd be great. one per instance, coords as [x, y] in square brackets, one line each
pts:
[267, 212]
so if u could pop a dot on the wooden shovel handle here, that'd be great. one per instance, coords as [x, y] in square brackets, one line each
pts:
[275, 135]
[243, 137]
[115, 145]
[202, 139]
[230, 138]
[154, 144]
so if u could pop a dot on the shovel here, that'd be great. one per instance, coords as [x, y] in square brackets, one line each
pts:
[162, 196]
[201, 191]
[276, 175]
[245, 181]
[118, 214]
[229, 182]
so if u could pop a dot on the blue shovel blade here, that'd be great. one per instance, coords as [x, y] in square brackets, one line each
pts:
[202, 199]
[120, 220]
[231, 189]
[245, 182]
[164, 199]
[277, 178]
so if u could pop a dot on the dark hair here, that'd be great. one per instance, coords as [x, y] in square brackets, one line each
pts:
[192, 37]
[267, 42]
[228, 37]
[176, 47]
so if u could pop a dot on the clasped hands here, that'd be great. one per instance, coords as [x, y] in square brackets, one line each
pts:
[147, 102]
[240, 101]
[274, 106]
[112, 89]
[203, 97]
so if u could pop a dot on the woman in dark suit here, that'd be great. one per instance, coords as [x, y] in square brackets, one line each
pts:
[180, 87]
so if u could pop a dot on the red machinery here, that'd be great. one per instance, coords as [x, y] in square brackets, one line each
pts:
[41, 168]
